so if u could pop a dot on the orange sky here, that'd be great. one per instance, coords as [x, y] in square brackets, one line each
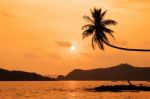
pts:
[36, 35]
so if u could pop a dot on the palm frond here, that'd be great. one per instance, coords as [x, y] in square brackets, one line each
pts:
[109, 31]
[87, 18]
[96, 12]
[92, 13]
[87, 26]
[104, 38]
[100, 44]
[111, 35]
[103, 14]
[87, 33]
[109, 22]
[99, 11]
[93, 41]
[99, 41]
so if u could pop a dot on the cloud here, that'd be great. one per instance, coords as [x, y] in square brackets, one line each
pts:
[63, 44]
[6, 14]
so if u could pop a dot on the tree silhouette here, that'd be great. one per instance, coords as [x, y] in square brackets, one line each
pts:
[98, 28]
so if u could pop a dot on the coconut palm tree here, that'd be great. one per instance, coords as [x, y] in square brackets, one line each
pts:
[98, 28]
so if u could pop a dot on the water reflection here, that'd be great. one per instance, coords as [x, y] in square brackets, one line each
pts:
[63, 90]
[72, 84]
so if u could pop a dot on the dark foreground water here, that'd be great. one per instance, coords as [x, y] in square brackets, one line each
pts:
[65, 90]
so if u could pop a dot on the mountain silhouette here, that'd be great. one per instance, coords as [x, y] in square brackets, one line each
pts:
[6, 75]
[119, 72]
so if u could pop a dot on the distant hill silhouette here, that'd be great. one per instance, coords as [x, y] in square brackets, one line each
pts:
[6, 75]
[119, 72]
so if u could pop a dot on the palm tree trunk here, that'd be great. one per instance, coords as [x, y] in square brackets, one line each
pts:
[127, 49]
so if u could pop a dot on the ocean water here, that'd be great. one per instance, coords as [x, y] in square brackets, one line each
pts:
[65, 90]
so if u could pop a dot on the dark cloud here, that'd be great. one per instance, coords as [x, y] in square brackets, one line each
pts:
[63, 44]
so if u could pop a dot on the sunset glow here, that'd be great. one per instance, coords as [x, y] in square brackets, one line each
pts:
[73, 48]
[38, 35]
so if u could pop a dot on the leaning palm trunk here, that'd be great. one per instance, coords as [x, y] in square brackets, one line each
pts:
[127, 49]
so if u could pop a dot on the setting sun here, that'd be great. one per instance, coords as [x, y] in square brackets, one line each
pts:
[73, 48]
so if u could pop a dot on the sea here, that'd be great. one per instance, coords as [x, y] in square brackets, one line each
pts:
[66, 90]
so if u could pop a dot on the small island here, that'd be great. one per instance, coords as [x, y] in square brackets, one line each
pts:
[120, 88]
